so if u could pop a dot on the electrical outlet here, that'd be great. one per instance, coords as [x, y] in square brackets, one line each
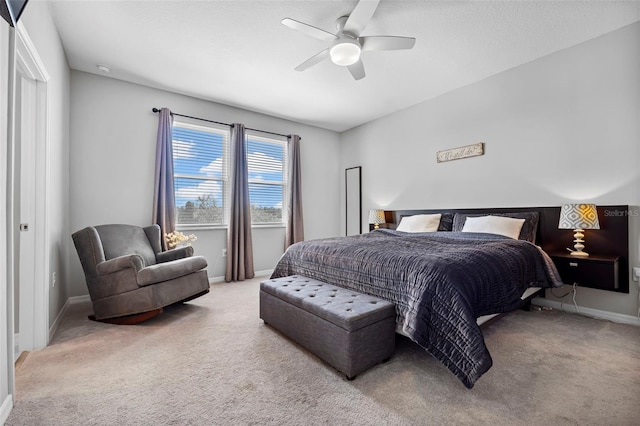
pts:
[53, 279]
[636, 274]
[224, 252]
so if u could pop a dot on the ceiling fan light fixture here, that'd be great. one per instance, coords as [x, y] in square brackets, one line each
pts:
[348, 43]
[345, 52]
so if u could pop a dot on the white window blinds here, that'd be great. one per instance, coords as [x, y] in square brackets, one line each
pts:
[200, 159]
[267, 163]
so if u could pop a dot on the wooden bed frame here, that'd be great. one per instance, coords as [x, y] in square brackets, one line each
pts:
[612, 239]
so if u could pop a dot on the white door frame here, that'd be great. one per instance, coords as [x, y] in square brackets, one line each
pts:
[6, 290]
[36, 302]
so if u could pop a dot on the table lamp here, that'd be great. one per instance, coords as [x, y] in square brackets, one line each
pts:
[376, 217]
[579, 217]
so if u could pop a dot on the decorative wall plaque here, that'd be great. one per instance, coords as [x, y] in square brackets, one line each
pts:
[461, 152]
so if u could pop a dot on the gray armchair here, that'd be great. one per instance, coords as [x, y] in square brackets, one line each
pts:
[130, 278]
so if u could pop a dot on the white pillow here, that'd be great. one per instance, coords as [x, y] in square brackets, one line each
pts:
[420, 223]
[507, 226]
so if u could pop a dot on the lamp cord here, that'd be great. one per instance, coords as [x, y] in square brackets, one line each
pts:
[573, 291]
[560, 297]
[574, 297]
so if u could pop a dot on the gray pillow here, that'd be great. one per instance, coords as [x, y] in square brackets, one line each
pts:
[446, 222]
[527, 233]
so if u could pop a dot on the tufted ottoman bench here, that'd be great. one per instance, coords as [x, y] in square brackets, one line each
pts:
[349, 330]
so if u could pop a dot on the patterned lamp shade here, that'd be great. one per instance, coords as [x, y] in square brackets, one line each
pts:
[376, 216]
[579, 216]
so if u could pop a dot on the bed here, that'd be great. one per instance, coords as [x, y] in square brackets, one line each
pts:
[441, 282]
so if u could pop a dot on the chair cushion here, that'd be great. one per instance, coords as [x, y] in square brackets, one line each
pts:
[119, 240]
[170, 270]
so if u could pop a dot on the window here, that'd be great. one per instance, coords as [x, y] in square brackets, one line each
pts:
[267, 163]
[201, 177]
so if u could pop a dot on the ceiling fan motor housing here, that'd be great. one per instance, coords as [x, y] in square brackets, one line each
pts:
[345, 51]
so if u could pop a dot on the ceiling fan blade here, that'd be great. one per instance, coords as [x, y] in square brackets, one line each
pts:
[360, 17]
[315, 59]
[387, 42]
[309, 30]
[357, 70]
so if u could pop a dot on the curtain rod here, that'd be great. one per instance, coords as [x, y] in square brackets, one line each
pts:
[156, 110]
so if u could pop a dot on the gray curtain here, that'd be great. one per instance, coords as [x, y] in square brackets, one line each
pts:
[295, 227]
[239, 245]
[164, 202]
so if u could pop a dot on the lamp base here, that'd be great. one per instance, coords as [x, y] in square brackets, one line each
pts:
[580, 253]
[579, 240]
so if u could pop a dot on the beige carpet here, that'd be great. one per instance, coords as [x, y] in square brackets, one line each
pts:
[213, 362]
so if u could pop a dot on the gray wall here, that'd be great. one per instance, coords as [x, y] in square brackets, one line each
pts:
[113, 133]
[563, 128]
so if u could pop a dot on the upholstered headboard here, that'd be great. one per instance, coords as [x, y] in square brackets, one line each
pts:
[612, 239]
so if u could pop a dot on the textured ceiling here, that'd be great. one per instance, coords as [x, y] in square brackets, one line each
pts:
[237, 52]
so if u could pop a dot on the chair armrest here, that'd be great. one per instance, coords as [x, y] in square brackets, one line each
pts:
[174, 254]
[162, 272]
[116, 264]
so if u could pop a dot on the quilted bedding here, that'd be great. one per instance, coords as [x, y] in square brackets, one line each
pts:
[440, 283]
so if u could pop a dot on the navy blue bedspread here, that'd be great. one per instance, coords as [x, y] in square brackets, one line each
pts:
[440, 283]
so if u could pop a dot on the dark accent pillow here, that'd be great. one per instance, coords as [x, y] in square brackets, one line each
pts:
[527, 233]
[446, 222]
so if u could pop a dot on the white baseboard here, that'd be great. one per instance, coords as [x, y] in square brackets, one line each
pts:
[590, 312]
[56, 322]
[5, 409]
[215, 280]
[70, 301]
[262, 273]
[78, 299]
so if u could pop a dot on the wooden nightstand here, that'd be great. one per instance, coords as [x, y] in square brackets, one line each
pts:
[594, 271]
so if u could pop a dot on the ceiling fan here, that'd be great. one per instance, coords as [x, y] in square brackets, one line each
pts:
[347, 44]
